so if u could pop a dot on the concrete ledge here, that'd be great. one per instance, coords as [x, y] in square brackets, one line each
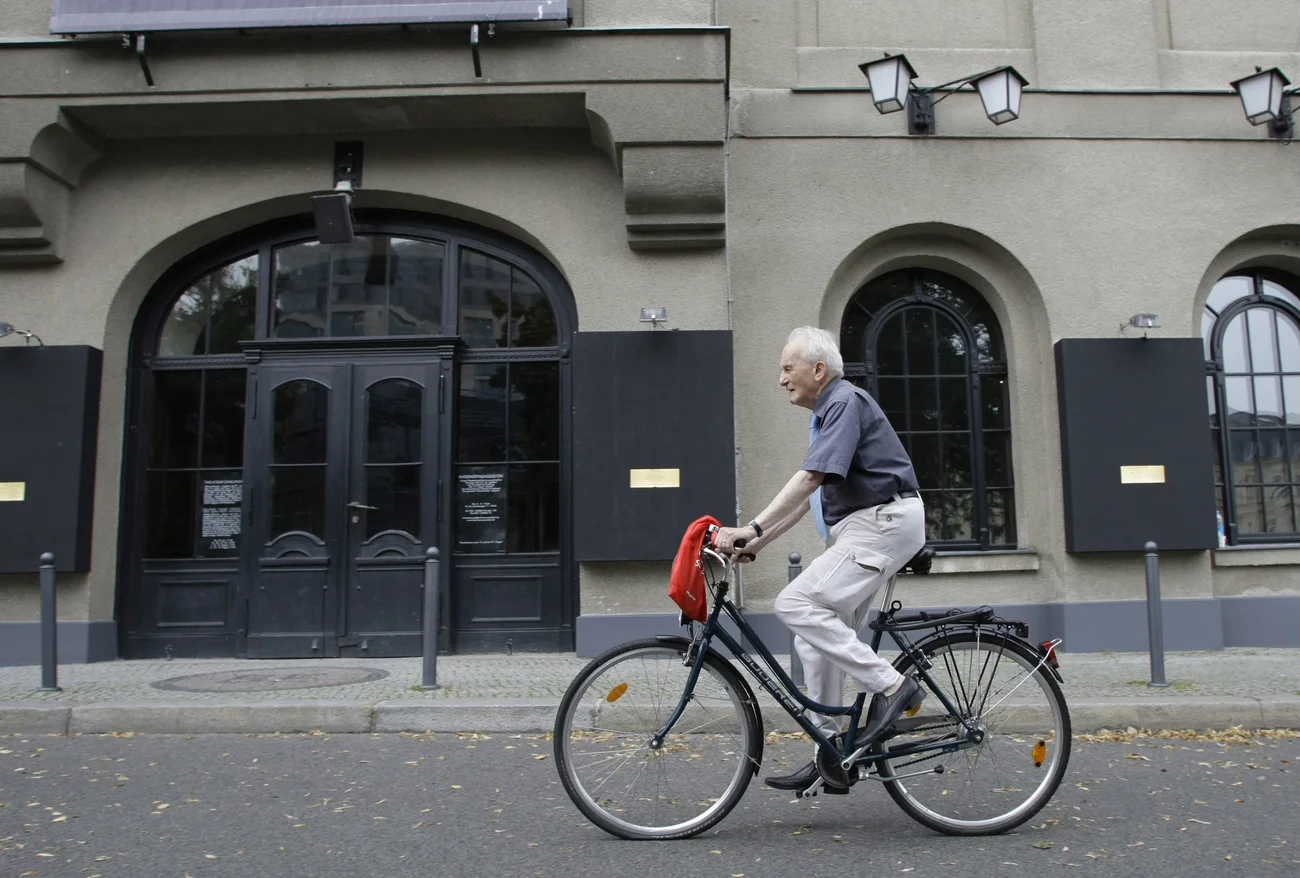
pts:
[985, 562]
[230, 718]
[1257, 556]
[466, 716]
[1181, 713]
[33, 719]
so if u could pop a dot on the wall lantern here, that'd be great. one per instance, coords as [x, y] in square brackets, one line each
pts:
[654, 316]
[10, 329]
[333, 212]
[1264, 98]
[890, 81]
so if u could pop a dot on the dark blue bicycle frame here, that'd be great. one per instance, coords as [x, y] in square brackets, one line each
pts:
[784, 692]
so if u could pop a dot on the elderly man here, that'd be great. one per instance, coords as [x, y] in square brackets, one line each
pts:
[860, 485]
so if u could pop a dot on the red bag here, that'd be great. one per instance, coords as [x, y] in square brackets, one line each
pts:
[686, 586]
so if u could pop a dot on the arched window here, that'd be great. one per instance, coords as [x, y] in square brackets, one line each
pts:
[1251, 329]
[928, 348]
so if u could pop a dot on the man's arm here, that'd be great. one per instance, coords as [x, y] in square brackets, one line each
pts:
[780, 515]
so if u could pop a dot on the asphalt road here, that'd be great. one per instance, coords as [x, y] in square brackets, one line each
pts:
[449, 805]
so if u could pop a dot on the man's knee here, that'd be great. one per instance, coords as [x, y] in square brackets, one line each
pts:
[791, 601]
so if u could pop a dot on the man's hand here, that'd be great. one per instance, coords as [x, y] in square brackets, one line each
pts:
[725, 539]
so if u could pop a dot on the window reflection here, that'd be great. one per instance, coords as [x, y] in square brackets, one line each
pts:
[935, 364]
[1255, 366]
[500, 306]
[213, 314]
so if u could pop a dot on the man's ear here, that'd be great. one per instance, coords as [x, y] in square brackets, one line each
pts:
[819, 370]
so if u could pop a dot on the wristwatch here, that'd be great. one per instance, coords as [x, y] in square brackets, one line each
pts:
[758, 531]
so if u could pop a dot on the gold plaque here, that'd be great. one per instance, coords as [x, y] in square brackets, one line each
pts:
[657, 478]
[13, 492]
[1141, 475]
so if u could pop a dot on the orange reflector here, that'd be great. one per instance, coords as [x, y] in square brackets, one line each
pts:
[616, 693]
[1050, 650]
[1039, 754]
[912, 711]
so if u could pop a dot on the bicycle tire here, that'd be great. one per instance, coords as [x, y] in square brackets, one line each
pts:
[603, 729]
[1001, 681]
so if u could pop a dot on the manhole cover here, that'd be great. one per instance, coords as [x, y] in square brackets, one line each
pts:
[271, 679]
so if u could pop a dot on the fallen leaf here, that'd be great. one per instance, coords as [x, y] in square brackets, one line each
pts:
[1044, 845]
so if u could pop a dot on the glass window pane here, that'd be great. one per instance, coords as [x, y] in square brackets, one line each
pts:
[1277, 291]
[298, 500]
[956, 460]
[1291, 398]
[170, 514]
[535, 411]
[222, 520]
[175, 441]
[534, 508]
[416, 299]
[359, 287]
[993, 398]
[532, 319]
[481, 420]
[233, 305]
[952, 347]
[1268, 400]
[926, 460]
[393, 422]
[1241, 406]
[954, 401]
[302, 279]
[921, 354]
[923, 404]
[1233, 350]
[1274, 463]
[394, 491]
[301, 416]
[185, 329]
[1002, 518]
[889, 348]
[997, 459]
[1288, 338]
[1245, 457]
[1250, 510]
[223, 418]
[1279, 509]
[484, 299]
[958, 517]
[1263, 355]
[892, 397]
[1229, 290]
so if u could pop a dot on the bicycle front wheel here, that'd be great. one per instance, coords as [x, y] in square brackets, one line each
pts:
[603, 741]
[1000, 683]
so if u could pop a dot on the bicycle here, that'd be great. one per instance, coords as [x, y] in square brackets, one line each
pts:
[671, 705]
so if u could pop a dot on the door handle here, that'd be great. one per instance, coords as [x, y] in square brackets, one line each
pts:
[355, 505]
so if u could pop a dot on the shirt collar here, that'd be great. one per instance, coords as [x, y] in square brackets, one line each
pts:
[824, 399]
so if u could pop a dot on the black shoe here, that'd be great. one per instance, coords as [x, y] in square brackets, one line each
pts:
[886, 709]
[802, 780]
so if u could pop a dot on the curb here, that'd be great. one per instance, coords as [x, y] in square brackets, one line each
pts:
[535, 716]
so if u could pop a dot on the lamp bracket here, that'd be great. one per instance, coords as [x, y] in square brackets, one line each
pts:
[473, 45]
[136, 43]
[348, 155]
[1283, 126]
[920, 112]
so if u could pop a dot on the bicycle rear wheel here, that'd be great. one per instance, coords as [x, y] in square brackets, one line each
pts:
[1001, 782]
[604, 728]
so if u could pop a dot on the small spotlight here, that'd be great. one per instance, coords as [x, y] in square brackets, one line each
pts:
[334, 215]
[1145, 321]
[654, 316]
[10, 329]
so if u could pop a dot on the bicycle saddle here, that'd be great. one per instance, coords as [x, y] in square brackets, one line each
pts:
[921, 561]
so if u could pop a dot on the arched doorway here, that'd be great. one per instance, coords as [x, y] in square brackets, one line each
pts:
[307, 419]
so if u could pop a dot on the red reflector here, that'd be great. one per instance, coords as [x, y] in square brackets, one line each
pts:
[1050, 650]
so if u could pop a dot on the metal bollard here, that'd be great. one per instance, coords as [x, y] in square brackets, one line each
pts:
[49, 628]
[796, 666]
[430, 677]
[1155, 619]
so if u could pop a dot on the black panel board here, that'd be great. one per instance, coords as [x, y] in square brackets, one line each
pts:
[49, 397]
[650, 400]
[1135, 402]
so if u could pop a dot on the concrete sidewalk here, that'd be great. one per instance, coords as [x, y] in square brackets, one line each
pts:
[1252, 688]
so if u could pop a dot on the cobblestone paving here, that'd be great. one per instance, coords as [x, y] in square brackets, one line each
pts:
[1259, 673]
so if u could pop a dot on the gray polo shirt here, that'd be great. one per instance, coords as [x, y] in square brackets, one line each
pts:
[863, 460]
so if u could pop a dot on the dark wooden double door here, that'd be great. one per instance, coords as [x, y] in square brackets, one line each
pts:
[342, 497]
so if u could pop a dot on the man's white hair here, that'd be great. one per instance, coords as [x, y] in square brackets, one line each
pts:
[818, 345]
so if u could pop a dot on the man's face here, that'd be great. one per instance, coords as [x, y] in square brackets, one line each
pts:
[801, 379]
